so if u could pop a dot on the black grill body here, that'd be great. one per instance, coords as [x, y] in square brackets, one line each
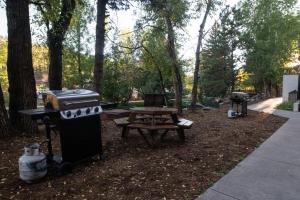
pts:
[239, 103]
[75, 114]
[80, 138]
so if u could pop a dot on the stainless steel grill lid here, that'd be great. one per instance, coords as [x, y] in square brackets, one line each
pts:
[239, 96]
[71, 99]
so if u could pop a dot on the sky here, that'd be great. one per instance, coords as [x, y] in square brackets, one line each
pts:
[125, 21]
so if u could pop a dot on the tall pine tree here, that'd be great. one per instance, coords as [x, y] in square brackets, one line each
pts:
[219, 64]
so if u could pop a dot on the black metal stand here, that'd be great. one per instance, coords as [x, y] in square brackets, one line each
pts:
[46, 121]
[243, 105]
[69, 129]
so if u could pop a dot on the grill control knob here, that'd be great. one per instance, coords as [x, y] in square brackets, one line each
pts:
[88, 110]
[96, 110]
[78, 112]
[68, 114]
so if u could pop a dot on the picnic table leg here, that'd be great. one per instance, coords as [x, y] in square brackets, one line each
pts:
[153, 134]
[143, 135]
[181, 135]
[125, 131]
[163, 135]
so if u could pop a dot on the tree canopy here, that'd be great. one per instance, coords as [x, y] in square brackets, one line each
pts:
[79, 45]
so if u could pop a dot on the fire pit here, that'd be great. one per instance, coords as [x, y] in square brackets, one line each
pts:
[76, 115]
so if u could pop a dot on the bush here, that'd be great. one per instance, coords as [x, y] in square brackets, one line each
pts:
[210, 102]
[285, 106]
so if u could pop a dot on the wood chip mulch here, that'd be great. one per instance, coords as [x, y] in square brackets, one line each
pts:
[134, 171]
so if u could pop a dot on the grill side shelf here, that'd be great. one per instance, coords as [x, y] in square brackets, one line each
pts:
[39, 113]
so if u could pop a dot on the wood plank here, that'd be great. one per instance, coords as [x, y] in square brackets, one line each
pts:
[185, 123]
[153, 110]
[122, 121]
[153, 127]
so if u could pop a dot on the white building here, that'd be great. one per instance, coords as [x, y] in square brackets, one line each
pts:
[290, 83]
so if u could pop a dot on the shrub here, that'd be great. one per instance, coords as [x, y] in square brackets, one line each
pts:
[285, 106]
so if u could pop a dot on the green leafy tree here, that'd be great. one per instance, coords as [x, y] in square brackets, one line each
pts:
[3, 116]
[270, 29]
[155, 63]
[3, 81]
[3, 68]
[56, 15]
[76, 58]
[219, 62]
[170, 14]
[210, 6]
[121, 72]
[102, 7]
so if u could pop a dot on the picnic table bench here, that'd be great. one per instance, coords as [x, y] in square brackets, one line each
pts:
[152, 120]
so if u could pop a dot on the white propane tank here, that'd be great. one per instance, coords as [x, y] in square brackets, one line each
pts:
[32, 164]
[231, 114]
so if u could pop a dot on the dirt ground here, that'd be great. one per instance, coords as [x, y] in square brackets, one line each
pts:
[134, 171]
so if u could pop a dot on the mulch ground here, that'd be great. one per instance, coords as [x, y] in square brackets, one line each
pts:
[134, 171]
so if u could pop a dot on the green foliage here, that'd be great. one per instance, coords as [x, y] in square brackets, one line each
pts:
[219, 64]
[210, 101]
[72, 76]
[121, 71]
[157, 10]
[285, 106]
[77, 59]
[39, 60]
[270, 28]
[266, 30]
[155, 62]
[3, 71]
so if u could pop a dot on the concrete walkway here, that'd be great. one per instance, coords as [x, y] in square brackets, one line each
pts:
[268, 106]
[272, 171]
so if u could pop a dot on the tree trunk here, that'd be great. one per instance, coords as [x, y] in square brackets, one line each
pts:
[3, 116]
[22, 91]
[99, 48]
[232, 84]
[177, 82]
[161, 79]
[197, 62]
[78, 29]
[277, 90]
[55, 43]
[55, 64]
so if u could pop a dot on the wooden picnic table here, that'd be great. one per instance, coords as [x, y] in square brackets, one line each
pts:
[153, 114]
[153, 120]
[154, 110]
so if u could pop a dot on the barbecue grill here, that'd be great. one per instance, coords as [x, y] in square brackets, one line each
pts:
[76, 115]
[239, 99]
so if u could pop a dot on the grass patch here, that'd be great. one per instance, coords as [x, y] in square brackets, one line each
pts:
[285, 106]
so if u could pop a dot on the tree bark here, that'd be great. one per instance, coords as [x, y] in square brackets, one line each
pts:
[55, 39]
[99, 47]
[3, 116]
[22, 90]
[197, 62]
[161, 79]
[177, 82]
[232, 84]
[78, 54]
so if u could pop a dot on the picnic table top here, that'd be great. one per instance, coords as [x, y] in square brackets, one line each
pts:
[153, 110]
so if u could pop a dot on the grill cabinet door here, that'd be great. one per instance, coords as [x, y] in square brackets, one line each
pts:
[80, 138]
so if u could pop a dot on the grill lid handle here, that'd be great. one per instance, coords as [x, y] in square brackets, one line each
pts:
[79, 102]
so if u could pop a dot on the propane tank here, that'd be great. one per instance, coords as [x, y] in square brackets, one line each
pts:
[32, 164]
[231, 113]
